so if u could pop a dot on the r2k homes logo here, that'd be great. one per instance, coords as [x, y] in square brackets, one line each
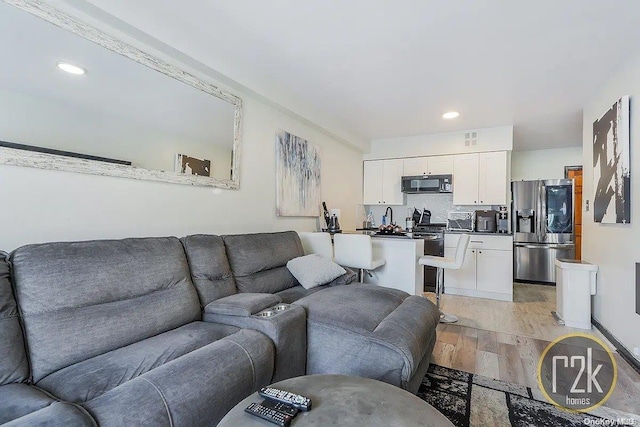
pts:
[577, 372]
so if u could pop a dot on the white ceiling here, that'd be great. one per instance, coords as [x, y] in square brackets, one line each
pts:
[385, 68]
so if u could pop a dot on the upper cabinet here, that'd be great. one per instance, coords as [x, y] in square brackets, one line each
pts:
[435, 165]
[481, 178]
[382, 182]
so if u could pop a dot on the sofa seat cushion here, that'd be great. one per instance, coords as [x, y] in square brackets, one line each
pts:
[293, 294]
[88, 379]
[198, 388]
[369, 331]
[57, 414]
[26, 405]
[17, 400]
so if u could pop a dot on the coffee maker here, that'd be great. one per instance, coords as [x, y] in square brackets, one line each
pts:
[503, 220]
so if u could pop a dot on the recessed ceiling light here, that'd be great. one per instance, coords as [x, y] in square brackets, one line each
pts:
[450, 115]
[71, 68]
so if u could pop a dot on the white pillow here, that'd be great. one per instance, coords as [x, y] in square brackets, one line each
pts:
[314, 270]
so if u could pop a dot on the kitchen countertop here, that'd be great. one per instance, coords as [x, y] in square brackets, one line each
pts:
[479, 233]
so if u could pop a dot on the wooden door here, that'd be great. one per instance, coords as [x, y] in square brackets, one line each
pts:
[576, 175]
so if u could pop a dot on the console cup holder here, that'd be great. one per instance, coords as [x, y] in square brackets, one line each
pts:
[272, 311]
[266, 313]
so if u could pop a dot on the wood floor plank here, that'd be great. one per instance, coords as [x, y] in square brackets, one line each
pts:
[487, 364]
[504, 340]
[487, 341]
[509, 364]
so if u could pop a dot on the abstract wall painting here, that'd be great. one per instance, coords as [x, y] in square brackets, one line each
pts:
[298, 168]
[611, 167]
[192, 166]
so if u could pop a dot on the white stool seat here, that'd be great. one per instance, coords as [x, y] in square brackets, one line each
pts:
[356, 251]
[441, 264]
[316, 243]
[437, 261]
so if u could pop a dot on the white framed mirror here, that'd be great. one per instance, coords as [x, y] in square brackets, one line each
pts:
[123, 113]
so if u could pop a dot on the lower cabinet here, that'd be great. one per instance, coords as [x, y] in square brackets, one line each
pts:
[487, 271]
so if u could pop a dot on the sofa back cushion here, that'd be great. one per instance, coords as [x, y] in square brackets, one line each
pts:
[210, 269]
[82, 299]
[14, 366]
[259, 261]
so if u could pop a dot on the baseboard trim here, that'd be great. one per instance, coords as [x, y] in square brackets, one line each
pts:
[622, 351]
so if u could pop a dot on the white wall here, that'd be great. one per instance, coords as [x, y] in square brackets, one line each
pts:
[489, 139]
[615, 248]
[40, 205]
[543, 164]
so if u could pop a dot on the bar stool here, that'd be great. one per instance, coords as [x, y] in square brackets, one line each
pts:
[441, 264]
[356, 251]
[317, 243]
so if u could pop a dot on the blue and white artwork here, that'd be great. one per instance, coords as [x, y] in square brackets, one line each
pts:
[297, 176]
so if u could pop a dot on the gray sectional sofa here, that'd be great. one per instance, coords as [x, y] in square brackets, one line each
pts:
[162, 331]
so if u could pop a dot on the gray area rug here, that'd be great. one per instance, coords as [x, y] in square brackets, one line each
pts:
[470, 400]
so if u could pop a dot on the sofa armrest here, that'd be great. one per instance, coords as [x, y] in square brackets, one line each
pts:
[243, 304]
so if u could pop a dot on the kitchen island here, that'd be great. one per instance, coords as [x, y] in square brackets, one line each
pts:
[401, 269]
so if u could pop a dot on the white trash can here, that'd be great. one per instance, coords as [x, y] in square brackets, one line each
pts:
[575, 283]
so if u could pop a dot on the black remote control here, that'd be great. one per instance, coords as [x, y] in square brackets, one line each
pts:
[268, 414]
[297, 401]
[280, 407]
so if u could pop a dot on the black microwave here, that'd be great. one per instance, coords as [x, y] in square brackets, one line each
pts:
[427, 184]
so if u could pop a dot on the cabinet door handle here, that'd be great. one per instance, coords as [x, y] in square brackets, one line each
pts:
[474, 202]
[481, 201]
[477, 241]
[479, 252]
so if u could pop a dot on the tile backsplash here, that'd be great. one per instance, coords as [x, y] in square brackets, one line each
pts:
[438, 204]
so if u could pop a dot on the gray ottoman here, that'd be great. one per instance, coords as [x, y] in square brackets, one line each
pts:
[370, 331]
[339, 400]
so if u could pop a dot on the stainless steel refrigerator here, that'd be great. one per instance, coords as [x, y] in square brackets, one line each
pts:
[543, 227]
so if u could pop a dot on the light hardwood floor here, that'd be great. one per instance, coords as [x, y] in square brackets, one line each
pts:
[504, 340]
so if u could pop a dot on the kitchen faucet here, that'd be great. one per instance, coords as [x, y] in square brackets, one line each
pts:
[389, 214]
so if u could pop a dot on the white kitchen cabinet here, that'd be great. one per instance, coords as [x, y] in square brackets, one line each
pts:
[493, 178]
[433, 165]
[487, 271]
[481, 178]
[465, 179]
[372, 182]
[416, 166]
[465, 277]
[382, 182]
[440, 165]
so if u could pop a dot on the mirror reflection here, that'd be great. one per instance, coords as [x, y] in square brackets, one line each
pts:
[108, 106]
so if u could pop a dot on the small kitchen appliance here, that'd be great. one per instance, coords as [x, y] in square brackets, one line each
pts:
[427, 184]
[421, 217]
[503, 220]
[460, 221]
[486, 221]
